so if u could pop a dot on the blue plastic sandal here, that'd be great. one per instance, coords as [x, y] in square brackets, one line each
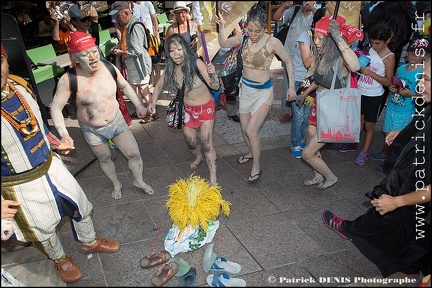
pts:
[188, 279]
[223, 280]
[214, 263]
[222, 265]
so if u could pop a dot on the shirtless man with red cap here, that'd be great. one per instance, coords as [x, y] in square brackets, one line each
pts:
[98, 111]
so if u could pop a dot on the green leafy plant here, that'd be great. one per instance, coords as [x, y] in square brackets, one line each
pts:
[158, 7]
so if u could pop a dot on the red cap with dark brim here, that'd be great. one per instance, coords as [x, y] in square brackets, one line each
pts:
[80, 41]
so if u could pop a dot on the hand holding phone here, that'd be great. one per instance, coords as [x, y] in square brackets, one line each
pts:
[397, 82]
[371, 195]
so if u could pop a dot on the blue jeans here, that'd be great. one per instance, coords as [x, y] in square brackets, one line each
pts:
[299, 120]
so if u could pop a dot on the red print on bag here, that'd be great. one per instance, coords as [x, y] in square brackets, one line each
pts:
[333, 134]
[348, 98]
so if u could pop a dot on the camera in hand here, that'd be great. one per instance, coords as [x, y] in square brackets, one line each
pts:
[371, 195]
[298, 2]
[397, 82]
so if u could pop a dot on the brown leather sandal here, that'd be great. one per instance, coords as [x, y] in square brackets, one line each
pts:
[154, 259]
[165, 273]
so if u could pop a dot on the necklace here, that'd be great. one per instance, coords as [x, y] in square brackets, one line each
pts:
[20, 125]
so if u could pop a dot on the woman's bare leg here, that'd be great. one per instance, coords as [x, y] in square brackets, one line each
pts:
[251, 134]
[309, 154]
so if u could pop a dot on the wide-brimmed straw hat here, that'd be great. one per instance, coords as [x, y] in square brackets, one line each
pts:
[180, 5]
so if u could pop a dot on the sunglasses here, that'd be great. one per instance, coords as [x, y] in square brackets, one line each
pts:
[84, 19]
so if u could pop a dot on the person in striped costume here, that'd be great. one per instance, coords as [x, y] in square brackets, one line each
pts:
[34, 176]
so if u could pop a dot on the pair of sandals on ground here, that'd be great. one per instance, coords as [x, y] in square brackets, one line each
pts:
[178, 267]
[169, 269]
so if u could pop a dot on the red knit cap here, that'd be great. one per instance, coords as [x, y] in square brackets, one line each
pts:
[79, 41]
[3, 50]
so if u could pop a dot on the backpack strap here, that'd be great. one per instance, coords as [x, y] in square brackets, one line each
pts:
[146, 31]
[296, 9]
[111, 69]
[73, 85]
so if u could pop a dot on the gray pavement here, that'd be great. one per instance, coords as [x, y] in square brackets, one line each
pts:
[274, 231]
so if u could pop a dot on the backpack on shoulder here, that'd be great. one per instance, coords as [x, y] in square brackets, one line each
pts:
[152, 43]
[146, 45]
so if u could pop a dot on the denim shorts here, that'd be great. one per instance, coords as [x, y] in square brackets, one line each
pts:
[99, 135]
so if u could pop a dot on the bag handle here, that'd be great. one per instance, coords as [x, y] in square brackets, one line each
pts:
[335, 70]
[180, 93]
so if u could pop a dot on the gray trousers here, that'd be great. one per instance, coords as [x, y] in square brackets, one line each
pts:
[232, 108]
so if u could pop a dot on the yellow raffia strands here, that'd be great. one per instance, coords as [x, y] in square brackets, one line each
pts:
[192, 201]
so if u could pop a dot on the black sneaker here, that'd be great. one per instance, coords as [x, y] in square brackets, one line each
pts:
[333, 222]
[235, 118]
[384, 167]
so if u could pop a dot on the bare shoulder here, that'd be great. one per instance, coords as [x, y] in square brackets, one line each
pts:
[115, 67]
[63, 82]
[200, 63]
[274, 45]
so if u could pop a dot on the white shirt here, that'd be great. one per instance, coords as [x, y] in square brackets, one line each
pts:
[138, 11]
[300, 24]
[148, 10]
[369, 86]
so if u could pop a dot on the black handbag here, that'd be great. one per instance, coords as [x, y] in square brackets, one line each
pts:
[281, 35]
[175, 110]
[231, 77]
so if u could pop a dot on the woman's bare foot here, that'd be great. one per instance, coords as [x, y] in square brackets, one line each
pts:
[116, 194]
[144, 186]
[195, 164]
[328, 182]
[314, 181]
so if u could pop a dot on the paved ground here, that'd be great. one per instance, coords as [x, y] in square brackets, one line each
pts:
[274, 231]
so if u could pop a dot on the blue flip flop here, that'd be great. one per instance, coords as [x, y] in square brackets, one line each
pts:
[223, 265]
[223, 280]
[217, 264]
[188, 279]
